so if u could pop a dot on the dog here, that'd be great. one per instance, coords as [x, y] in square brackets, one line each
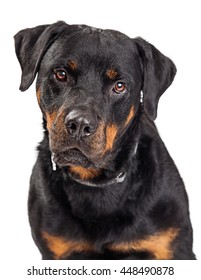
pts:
[104, 185]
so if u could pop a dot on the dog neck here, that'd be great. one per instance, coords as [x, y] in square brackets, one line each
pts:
[104, 182]
[117, 178]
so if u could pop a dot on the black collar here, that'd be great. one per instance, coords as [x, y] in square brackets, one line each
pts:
[119, 178]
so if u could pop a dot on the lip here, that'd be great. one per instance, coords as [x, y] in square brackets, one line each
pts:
[71, 157]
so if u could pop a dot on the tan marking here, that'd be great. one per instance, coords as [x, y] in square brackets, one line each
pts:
[97, 140]
[111, 132]
[111, 74]
[72, 64]
[130, 116]
[50, 117]
[38, 94]
[85, 173]
[158, 244]
[61, 247]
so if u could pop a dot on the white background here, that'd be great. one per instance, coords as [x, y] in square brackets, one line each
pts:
[173, 26]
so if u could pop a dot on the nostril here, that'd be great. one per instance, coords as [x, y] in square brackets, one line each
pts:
[88, 130]
[71, 125]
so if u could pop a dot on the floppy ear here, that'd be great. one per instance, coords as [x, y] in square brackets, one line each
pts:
[159, 72]
[30, 47]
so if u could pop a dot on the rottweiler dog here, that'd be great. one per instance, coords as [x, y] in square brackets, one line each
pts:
[104, 185]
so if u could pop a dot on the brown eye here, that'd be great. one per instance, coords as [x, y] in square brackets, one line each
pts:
[60, 75]
[119, 87]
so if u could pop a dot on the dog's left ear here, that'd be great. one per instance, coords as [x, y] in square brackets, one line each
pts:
[30, 47]
[158, 74]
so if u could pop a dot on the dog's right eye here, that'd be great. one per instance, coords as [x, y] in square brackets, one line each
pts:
[60, 75]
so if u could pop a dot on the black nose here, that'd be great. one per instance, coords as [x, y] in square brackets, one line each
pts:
[80, 124]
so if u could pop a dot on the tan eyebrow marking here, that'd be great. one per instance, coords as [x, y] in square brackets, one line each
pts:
[72, 65]
[111, 74]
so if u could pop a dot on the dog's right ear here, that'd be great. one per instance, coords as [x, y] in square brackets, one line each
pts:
[30, 47]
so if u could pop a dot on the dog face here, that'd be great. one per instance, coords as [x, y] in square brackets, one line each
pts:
[88, 87]
[88, 96]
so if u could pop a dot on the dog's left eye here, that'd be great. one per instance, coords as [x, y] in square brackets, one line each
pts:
[60, 75]
[119, 87]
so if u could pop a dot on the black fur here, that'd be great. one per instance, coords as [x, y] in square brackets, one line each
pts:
[111, 132]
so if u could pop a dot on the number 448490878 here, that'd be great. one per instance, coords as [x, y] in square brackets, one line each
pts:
[148, 270]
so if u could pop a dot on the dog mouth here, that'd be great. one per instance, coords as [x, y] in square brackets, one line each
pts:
[71, 157]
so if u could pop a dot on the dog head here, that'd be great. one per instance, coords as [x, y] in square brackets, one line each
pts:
[89, 86]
